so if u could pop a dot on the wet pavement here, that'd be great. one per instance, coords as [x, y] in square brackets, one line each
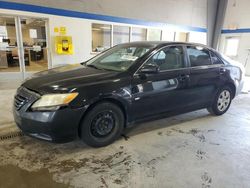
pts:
[13, 176]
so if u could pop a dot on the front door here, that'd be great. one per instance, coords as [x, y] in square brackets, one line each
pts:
[165, 90]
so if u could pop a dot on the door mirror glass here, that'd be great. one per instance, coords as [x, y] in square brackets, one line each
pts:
[149, 69]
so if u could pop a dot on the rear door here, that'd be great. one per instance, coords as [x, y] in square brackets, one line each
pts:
[163, 91]
[204, 75]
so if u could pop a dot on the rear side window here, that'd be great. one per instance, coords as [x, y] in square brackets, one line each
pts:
[215, 59]
[198, 56]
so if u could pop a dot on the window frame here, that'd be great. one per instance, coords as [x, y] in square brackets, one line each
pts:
[158, 50]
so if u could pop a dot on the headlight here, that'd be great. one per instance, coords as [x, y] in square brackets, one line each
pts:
[53, 101]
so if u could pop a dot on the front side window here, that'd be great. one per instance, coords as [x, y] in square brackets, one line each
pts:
[198, 56]
[168, 58]
[119, 58]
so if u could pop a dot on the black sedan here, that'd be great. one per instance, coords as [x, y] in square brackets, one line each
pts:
[132, 82]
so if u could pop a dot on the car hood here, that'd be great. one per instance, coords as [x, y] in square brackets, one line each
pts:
[66, 78]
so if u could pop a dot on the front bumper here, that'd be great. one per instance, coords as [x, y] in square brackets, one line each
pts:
[55, 126]
[58, 126]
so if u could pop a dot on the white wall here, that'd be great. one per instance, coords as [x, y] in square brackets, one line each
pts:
[181, 12]
[238, 17]
[198, 37]
[237, 14]
[80, 30]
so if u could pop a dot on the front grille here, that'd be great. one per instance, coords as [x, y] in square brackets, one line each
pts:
[19, 101]
[24, 96]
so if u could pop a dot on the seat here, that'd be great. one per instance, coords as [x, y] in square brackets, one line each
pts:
[203, 60]
[170, 62]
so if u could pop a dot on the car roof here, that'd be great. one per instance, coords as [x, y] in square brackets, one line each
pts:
[162, 43]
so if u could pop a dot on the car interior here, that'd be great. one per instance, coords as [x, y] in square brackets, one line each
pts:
[170, 58]
[198, 57]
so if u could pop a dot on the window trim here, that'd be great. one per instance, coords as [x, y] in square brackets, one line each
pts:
[158, 50]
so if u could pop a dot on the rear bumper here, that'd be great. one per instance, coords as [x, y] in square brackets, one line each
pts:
[57, 126]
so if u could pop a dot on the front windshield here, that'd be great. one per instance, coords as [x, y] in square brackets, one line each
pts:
[119, 58]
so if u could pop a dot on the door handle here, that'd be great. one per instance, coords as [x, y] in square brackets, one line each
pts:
[222, 70]
[183, 77]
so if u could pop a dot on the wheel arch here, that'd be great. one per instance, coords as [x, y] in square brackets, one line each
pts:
[111, 100]
[232, 87]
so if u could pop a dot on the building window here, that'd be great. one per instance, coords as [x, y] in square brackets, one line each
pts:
[232, 45]
[101, 37]
[168, 35]
[139, 34]
[181, 37]
[154, 34]
[120, 34]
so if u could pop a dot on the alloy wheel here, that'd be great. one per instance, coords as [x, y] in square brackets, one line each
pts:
[223, 100]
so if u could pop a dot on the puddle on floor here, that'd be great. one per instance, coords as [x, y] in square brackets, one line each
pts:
[13, 176]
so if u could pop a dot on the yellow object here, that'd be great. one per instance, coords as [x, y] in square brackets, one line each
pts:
[63, 45]
[56, 29]
[69, 98]
[63, 30]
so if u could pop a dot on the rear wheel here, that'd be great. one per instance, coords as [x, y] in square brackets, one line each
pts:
[102, 125]
[221, 101]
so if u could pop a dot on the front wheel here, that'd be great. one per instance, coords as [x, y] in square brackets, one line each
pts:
[102, 125]
[221, 101]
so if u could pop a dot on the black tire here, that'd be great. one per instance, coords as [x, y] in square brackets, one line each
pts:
[102, 125]
[220, 107]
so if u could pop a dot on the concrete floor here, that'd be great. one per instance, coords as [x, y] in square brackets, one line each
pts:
[189, 150]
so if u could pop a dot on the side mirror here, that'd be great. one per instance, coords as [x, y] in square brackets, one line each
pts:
[150, 69]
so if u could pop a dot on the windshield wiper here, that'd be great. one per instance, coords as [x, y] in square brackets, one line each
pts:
[94, 66]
